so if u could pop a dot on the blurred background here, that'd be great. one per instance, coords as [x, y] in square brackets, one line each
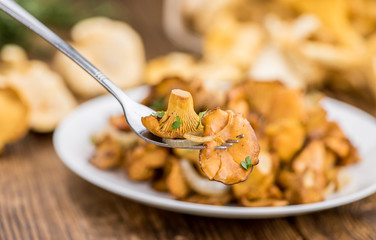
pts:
[61, 15]
[338, 30]
[327, 46]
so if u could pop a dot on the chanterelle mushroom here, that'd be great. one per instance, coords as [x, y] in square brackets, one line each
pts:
[233, 164]
[180, 117]
[229, 166]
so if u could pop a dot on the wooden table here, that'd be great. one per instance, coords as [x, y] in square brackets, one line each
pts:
[40, 198]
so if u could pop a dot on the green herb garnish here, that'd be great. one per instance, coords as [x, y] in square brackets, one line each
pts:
[247, 164]
[157, 104]
[93, 140]
[200, 115]
[159, 114]
[177, 123]
[244, 165]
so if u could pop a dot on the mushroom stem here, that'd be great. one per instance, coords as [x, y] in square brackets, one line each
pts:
[180, 100]
[180, 108]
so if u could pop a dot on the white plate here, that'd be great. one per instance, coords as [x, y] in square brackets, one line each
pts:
[72, 144]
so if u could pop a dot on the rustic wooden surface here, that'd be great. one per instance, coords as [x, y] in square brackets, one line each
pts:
[40, 198]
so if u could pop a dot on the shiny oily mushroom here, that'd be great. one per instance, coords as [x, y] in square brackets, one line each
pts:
[180, 110]
[226, 165]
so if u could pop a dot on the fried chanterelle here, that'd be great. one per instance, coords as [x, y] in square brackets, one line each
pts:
[230, 165]
[227, 166]
[180, 117]
[300, 152]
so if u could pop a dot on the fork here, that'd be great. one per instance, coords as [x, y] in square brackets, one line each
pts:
[132, 110]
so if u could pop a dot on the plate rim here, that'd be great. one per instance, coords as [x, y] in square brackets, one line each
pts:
[195, 208]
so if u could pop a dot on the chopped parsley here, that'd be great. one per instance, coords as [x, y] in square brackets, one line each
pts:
[159, 114]
[177, 123]
[247, 164]
[157, 104]
[200, 115]
[93, 140]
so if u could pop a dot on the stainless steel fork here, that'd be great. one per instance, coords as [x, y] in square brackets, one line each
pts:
[133, 111]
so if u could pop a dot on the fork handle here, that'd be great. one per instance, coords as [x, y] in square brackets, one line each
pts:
[21, 15]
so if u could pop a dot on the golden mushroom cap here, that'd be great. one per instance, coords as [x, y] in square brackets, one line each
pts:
[14, 116]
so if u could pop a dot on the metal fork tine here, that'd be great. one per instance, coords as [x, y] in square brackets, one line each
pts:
[227, 144]
[220, 148]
